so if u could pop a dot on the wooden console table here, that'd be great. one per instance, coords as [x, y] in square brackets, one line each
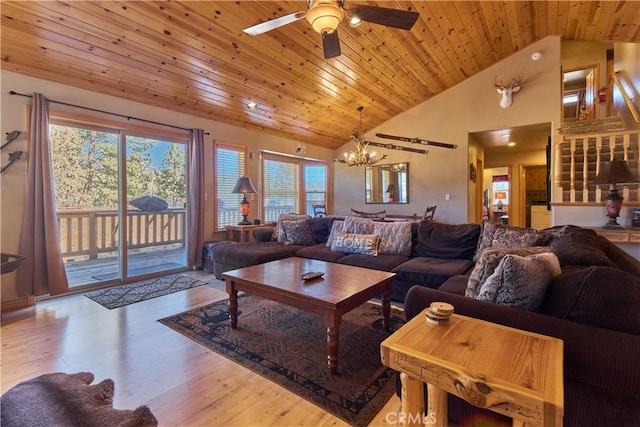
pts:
[625, 235]
[512, 372]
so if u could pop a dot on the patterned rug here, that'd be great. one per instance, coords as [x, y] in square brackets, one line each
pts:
[120, 296]
[288, 346]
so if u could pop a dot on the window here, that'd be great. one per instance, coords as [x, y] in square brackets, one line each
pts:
[500, 184]
[291, 184]
[230, 164]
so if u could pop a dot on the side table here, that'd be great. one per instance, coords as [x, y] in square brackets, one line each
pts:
[509, 371]
[240, 233]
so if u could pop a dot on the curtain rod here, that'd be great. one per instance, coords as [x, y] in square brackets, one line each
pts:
[13, 92]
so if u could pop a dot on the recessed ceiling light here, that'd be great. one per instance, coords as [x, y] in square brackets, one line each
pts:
[535, 56]
[511, 144]
[252, 105]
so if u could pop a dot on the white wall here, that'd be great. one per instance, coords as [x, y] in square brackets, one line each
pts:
[14, 117]
[470, 106]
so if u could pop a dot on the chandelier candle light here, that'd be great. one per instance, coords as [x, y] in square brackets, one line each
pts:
[361, 157]
[244, 186]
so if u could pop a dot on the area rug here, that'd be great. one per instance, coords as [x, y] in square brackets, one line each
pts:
[61, 399]
[288, 346]
[120, 296]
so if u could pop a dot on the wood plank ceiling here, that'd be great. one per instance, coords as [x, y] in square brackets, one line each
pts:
[192, 56]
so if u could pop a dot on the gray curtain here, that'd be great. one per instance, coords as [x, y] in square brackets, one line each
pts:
[195, 198]
[42, 271]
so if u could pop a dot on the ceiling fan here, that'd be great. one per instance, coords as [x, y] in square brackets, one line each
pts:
[325, 16]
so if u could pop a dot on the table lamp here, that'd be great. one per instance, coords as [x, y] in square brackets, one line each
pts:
[500, 195]
[391, 189]
[244, 186]
[615, 172]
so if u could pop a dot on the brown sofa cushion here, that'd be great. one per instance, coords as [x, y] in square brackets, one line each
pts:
[448, 241]
[580, 247]
[600, 296]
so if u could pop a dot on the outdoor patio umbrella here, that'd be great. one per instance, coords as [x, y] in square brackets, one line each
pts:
[149, 203]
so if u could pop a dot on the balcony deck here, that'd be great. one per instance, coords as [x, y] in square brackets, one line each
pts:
[103, 269]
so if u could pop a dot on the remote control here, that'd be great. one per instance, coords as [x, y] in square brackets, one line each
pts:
[312, 275]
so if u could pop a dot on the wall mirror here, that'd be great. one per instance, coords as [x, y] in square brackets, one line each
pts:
[580, 94]
[387, 183]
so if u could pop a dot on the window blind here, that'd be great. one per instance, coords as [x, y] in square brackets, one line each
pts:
[230, 164]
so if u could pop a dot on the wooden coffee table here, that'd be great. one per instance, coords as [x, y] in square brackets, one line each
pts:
[340, 290]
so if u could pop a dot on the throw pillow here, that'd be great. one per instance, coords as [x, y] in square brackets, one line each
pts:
[580, 247]
[488, 262]
[603, 297]
[365, 244]
[278, 232]
[521, 282]
[395, 237]
[357, 225]
[448, 241]
[336, 227]
[499, 235]
[298, 232]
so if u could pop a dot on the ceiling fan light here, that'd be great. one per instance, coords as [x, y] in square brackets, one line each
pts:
[354, 21]
[325, 18]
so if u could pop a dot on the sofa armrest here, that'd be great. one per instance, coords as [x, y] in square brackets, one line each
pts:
[263, 234]
[599, 357]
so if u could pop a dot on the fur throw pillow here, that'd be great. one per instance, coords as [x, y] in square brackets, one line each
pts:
[488, 262]
[521, 282]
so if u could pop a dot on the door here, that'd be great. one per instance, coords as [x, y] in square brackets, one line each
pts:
[98, 174]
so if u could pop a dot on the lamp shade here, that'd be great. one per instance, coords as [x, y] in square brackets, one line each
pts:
[391, 188]
[325, 18]
[615, 172]
[244, 185]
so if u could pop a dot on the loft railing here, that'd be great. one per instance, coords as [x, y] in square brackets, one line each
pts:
[578, 159]
[92, 232]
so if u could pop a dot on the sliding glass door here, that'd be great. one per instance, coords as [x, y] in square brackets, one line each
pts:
[121, 202]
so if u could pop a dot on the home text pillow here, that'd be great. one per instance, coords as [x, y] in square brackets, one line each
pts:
[395, 238]
[495, 235]
[365, 244]
[488, 262]
[278, 232]
[357, 225]
[298, 232]
[521, 282]
[336, 227]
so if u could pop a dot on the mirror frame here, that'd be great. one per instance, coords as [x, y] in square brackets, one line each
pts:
[377, 179]
[593, 96]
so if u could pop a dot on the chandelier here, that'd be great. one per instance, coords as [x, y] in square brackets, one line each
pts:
[360, 157]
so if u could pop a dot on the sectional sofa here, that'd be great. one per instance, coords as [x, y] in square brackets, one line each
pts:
[590, 297]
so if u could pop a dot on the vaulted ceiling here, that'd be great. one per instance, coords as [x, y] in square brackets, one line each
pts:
[192, 56]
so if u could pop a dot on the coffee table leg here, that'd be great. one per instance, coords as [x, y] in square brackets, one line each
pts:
[233, 304]
[386, 308]
[333, 338]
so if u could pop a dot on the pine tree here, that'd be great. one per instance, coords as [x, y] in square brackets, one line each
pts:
[172, 176]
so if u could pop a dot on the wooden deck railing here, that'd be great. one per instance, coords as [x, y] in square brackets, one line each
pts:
[91, 232]
[231, 216]
[579, 159]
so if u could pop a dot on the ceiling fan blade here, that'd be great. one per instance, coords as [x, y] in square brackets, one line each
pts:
[396, 18]
[331, 44]
[274, 23]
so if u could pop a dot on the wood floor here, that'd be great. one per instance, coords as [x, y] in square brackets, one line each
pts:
[183, 383]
